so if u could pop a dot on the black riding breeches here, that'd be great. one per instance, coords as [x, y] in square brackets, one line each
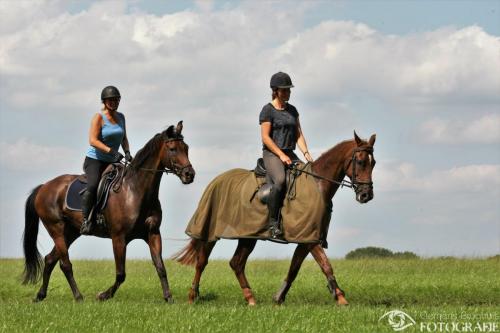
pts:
[93, 169]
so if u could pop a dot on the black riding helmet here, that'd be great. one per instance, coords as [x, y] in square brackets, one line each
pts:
[110, 92]
[281, 80]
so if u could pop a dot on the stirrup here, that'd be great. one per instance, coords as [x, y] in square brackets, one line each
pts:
[276, 235]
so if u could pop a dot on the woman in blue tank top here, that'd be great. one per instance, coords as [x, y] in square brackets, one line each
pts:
[107, 133]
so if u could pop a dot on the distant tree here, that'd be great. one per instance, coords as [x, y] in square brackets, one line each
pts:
[379, 252]
[369, 252]
[405, 255]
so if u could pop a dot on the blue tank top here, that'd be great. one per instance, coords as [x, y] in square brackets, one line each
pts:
[111, 135]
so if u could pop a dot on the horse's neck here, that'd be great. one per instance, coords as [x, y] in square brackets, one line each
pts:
[330, 165]
[145, 180]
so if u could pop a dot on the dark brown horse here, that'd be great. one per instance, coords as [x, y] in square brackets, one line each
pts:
[353, 158]
[134, 212]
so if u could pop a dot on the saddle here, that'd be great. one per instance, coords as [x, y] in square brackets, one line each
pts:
[264, 188]
[110, 179]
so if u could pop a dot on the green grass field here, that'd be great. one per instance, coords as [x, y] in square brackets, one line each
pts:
[427, 289]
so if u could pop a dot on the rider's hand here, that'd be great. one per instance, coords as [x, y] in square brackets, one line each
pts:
[117, 156]
[128, 157]
[285, 159]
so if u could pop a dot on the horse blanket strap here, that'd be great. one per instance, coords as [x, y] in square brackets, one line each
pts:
[226, 211]
[292, 176]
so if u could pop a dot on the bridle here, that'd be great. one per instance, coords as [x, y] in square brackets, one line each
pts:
[354, 183]
[175, 168]
[359, 183]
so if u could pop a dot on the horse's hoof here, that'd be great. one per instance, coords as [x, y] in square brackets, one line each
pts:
[169, 299]
[79, 298]
[39, 298]
[341, 300]
[193, 296]
[278, 300]
[252, 302]
[103, 296]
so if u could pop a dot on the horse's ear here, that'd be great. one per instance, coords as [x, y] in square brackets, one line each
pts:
[371, 142]
[179, 127]
[359, 142]
[170, 131]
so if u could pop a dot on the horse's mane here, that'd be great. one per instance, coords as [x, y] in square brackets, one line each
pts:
[335, 153]
[152, 146]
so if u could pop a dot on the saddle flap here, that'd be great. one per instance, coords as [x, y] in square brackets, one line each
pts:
[264, 192]
[82, 178]
[260, 168]
[110, 177]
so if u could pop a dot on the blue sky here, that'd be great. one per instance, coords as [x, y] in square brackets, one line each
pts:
[423, 75]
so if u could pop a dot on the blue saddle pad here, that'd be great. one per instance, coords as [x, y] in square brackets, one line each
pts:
[74, 194]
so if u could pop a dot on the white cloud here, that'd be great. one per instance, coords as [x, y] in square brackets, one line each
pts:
[24, 155]
[404, 176]
[225, 57]
[485, 129]
[352, 58]
[211, 68]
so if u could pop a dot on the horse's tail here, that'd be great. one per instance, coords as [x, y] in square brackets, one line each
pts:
[189, 254]
[33, 260]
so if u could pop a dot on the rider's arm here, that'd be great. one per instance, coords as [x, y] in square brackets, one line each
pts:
[125, 145]
[301, 142]
[265, 130]
[95, 129]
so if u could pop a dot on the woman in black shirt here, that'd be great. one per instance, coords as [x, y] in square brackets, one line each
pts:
[280, 132]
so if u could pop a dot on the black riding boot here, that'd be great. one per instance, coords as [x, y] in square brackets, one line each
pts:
[87, 204]
[274, 204]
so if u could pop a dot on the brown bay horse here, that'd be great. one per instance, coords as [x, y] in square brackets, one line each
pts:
[353, 158]
[134, 212]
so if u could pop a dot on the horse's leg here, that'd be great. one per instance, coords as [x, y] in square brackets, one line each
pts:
[155, 247]
[322, 260]
[238, 262]
[51, 260]
[201, 263]
[299, 255]
[119, 250]
[66, 266]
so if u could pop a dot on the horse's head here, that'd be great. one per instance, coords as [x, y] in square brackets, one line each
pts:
[174, 154]
[359, 168]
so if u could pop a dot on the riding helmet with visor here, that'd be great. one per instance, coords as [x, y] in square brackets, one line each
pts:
[281, 80]
[110, 92]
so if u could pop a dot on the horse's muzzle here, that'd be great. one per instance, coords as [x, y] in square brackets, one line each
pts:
[187, 175]
[364, 193]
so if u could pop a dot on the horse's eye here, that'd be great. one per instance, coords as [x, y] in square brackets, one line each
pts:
[173, 150]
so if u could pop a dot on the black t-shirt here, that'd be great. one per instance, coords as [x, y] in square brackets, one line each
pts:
[283, 125]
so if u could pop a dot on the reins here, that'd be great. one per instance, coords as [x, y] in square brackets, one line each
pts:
[177, 170]
[344, 183]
